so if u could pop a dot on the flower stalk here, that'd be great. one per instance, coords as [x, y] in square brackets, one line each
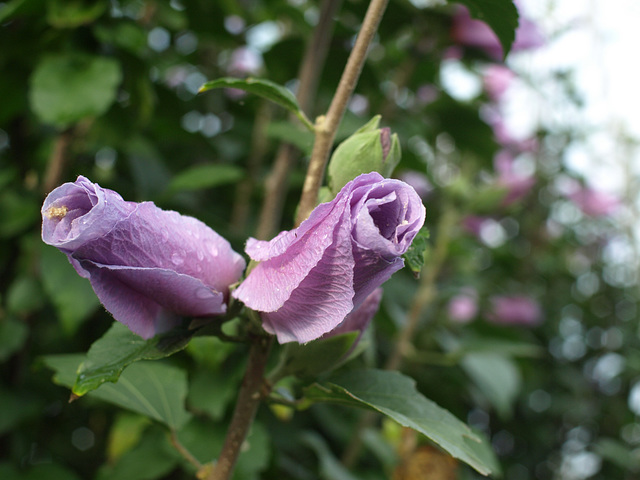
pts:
[252, 391]
[327, 125]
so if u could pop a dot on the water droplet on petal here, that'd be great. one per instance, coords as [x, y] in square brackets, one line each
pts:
[204, 293]
[177, 259]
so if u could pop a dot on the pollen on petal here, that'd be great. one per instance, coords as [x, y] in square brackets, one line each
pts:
[56, 212]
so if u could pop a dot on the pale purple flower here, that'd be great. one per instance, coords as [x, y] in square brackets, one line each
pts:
[475, 33]
[245, 61]
[310, 278]
[595, 203]
[148, 266]
[497, 79]
[463, 307]
[473, 224]
[514, 310]
[359, 319]
[418, 181]
[517, 186]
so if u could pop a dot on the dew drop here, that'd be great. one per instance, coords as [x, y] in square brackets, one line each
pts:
[203, 293]
[177, 259]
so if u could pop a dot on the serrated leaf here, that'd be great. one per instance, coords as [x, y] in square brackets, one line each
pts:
[205, 176]
[500, 15]
[264, 88]
[414, 256]
[317, 356]
[395, 395]
[118, 348]
[154, 389]
[496, 376]
[66, 88]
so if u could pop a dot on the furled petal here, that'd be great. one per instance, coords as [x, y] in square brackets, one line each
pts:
[321, 300]
[289, 258]
[311, 278]
[138, 297]
[148, 266]
[78, 212]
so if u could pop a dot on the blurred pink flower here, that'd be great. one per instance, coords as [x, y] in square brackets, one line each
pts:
[475, 33]
[514, 310]
[418, 181]
[594, 203]
[517, 185]
[497, 79]
[473, 224]
[244, 61]
[463, 307]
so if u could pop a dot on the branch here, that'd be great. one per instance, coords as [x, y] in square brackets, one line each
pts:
[327, 126]
[309, 75]
[249, 398]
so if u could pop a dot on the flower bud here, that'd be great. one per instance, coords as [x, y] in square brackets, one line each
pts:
[369, 149]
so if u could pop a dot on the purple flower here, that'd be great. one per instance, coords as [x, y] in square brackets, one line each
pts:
[517, 186]
[475, 33]
[312, 277]
[514, 310]
[359, 319]
[464, 306]
[418, 181]
[594, 203]
[496, 80]
[148, 266]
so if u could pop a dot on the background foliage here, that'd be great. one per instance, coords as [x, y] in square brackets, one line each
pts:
[109, 90]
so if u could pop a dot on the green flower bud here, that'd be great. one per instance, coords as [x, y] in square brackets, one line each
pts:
[369, 149]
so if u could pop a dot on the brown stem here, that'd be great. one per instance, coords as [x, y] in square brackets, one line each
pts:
[326, 126]
[57, 161]
[242, 202]
[423, 298]
[309, 75]
[252, 392]
[186, 454]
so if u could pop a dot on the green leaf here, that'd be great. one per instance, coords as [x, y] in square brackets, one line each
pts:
[13, 333]
[152, 458]
[310, 359]
[264, 88]
[395, 395]
[17, 406]
[211, 392]
[71, 295]
[500, 15]
[205, 176]
[73, 13]
[67, 88]
[204, 439]
[118, 348]
[125, 434]
[154, 389]
[414, 257]
[330, 466]
[496, 376]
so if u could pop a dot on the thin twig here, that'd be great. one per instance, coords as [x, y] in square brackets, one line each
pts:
[327, 126]
[242, 202]
[308, 75]
[188, 456]
[57, 160]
